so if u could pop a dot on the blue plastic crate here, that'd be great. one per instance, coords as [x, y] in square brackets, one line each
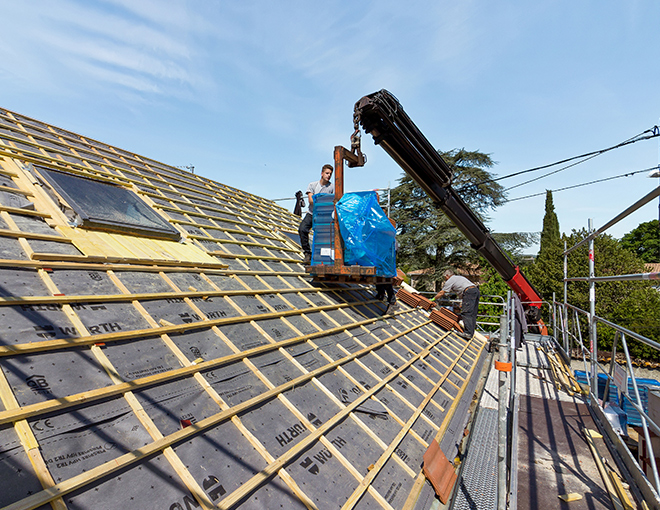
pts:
[324, 208]
[643, 385]
[581, 377]
[323, 242]
[323, 198]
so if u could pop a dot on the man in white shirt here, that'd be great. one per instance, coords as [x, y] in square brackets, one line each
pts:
[469, 293]
[321, 186]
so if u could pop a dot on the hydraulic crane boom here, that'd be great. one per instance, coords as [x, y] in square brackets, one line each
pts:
[381, 115]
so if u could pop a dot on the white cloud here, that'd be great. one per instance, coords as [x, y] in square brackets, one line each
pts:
[73, 42]
[102, 73]
[173, 13]
[118, 56]
[190, 51]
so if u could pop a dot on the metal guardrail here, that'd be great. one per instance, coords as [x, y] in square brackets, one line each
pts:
[617, 278]
[567, 323]
[574, 332]
[572, 320]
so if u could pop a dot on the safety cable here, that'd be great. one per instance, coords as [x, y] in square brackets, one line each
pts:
[628, 174]
[644, 135]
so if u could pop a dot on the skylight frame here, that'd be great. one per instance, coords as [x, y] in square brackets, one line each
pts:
[153, 225]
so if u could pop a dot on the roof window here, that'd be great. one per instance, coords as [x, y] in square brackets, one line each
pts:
[105, 206]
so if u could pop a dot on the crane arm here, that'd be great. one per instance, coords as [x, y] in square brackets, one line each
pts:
[382, 116]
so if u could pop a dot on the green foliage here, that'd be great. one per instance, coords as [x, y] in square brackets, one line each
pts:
[494, 290]
[644, 240]
[547, 272]
[427, 238]
[550, 235]
[635, 305]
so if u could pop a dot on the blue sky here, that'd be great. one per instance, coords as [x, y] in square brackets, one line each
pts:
[256, 94]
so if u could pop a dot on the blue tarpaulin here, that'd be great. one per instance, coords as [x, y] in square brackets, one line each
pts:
[369, 237]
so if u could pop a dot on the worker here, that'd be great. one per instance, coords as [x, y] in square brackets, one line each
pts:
[321, 186]
[383, 289]
[469, 293]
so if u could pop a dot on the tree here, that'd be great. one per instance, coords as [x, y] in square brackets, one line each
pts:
[427, 238]
[550, 234]
[547, 272]
[644, 240]
[634, 305]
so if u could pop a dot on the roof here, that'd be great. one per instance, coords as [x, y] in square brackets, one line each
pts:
[471, 271]
[652, 267]
[161, 344]
[428, 270]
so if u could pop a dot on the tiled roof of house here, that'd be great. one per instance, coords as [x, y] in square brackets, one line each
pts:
[161, 347]
[653, 267]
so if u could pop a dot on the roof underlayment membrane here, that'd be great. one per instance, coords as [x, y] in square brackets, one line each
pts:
[144, 371]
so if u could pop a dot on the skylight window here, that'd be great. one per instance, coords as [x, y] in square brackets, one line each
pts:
[105, 206]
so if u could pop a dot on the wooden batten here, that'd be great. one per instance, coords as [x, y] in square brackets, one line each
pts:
[318, 332]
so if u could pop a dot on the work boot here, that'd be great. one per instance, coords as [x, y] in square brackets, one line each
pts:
[465, 335]
[308, 259]
[392, 307]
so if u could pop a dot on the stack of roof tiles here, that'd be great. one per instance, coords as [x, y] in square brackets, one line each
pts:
[426, 303]
[409, 298]
[414, 299]
[445, 318]
[398, 279]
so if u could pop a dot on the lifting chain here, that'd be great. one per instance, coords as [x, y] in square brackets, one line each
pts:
[356, 138]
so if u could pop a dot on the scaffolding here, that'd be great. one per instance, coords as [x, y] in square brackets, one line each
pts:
[568, 322]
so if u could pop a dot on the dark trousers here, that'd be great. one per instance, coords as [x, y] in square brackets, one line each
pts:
[303, 232]
[385, 288]
[469, 309]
